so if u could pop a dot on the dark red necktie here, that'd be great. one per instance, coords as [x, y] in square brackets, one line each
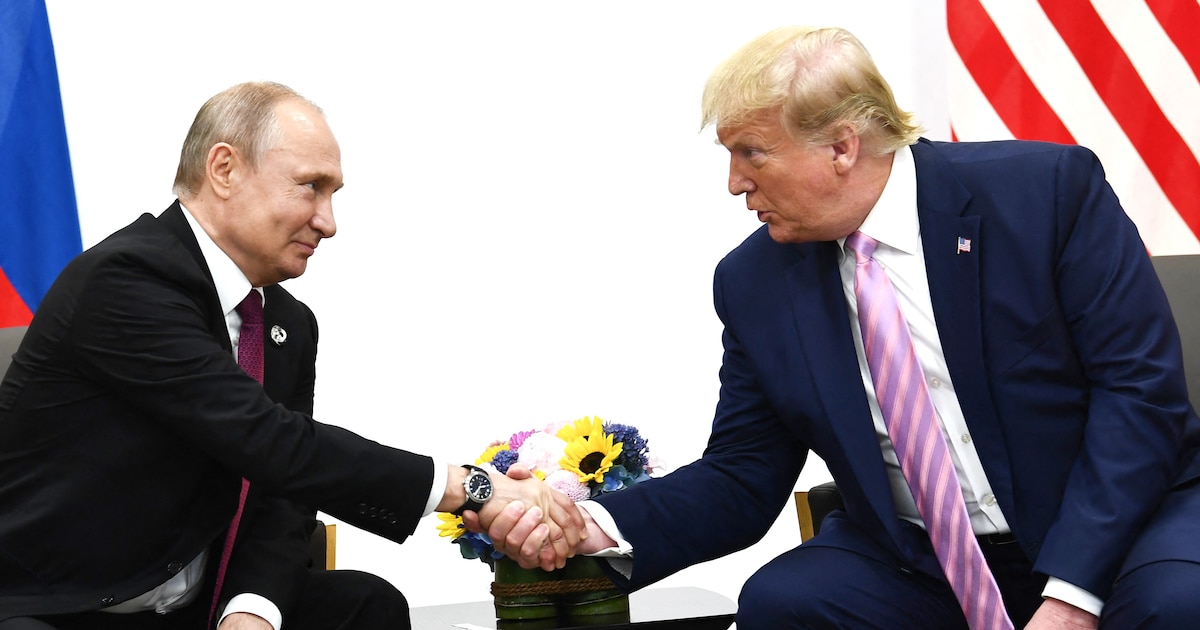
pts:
[250, 358]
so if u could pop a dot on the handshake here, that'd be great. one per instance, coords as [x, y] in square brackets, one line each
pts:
[528, 520]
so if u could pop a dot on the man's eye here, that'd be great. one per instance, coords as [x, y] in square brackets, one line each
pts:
[312, 185]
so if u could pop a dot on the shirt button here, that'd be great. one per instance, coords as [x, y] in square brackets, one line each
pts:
[989, 500]
[966, 438]
[935, 382]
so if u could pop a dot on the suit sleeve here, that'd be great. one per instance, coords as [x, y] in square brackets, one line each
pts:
[1125, 338]
[723, 502]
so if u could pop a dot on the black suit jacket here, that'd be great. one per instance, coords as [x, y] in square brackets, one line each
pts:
[126, 426]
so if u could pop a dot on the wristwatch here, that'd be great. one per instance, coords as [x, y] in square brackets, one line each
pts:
[478, 485]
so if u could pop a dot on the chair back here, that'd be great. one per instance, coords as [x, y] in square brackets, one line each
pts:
[1180, 278]
[10, 338]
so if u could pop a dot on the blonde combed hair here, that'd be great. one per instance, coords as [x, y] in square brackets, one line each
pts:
[821, 80]
[242, 116]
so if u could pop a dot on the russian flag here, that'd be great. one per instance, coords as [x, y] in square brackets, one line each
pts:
[39, 222]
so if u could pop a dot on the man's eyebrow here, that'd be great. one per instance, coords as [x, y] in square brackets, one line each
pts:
[324, 178]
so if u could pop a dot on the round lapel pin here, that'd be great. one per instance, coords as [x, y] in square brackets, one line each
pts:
[278, 335]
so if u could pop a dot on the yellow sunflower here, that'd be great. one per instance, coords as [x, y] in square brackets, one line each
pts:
[451, 525]
[489, 453]
[592, 454]
[580, 428]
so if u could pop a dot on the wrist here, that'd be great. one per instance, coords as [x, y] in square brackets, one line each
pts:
[454, 494]
[468, 487]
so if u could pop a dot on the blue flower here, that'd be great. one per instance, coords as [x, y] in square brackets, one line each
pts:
[503, 460]
[474, 545]
[634, 450]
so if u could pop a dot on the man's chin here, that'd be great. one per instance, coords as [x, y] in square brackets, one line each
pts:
[782, 236]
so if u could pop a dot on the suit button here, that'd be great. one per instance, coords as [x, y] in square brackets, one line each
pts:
[174, 567]
[107, 601]
[362, 508]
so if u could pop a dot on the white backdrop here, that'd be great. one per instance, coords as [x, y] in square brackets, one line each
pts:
[530, 220]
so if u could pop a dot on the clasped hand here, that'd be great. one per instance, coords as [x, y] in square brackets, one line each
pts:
[528, 521]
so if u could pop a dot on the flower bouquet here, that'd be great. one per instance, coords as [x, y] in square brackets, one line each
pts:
[582, 459]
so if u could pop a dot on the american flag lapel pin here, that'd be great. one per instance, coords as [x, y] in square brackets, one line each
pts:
[964, 246]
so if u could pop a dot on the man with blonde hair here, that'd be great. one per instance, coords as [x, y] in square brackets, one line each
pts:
[970, 335]
[159, 463]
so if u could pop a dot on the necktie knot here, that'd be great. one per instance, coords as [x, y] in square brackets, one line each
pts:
[862, 245]
[250, 309]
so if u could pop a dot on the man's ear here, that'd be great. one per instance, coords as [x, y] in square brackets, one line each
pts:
[845, 151]
[221, 169]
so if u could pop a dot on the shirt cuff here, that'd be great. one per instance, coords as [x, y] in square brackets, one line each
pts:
[1073, 595]
[255, 605]
[608, 525]
[438, 489]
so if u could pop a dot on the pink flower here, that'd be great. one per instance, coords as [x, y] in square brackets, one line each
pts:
[518, 439]
[568, 483]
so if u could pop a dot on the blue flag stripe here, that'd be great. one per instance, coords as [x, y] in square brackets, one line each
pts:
[39, 221]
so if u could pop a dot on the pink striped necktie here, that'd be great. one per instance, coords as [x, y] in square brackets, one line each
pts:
[250, 358]
[916, 434]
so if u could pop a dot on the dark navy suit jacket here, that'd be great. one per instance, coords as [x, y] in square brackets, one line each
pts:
[1060, 343]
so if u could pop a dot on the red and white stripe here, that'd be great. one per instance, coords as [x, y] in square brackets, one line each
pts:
[1121, 77]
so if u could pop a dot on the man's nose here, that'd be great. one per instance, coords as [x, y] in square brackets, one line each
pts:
[322, 221]
[739, 183]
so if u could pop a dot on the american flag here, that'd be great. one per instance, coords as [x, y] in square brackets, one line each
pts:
[964, 245]
[1121, 77]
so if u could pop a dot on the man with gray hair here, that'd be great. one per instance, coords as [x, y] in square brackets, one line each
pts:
[159, 463]
[970, 335]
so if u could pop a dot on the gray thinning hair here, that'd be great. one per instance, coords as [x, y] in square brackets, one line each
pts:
[242, 116]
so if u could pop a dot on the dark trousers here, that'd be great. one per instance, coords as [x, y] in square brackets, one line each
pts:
[814, 587]
[331, 600]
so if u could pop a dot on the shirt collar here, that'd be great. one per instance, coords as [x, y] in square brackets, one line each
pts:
[893, 219]
[231, 284]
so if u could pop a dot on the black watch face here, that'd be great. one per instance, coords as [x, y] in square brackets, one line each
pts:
[479, 487]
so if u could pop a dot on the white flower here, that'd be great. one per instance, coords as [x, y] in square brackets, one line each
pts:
[542, 452]
[655, 466]
[553, 427]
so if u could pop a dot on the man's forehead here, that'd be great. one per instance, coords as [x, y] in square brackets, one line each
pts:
[756, 124]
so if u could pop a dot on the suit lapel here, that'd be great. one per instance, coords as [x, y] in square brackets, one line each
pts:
[823, 332]
[954, 287]
[277, 367]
